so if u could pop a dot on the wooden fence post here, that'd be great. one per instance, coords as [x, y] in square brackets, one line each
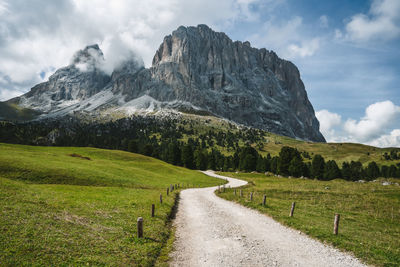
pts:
[264, 200]
[140, 227]
[160, 199]
[153, 207]
[292, 209]
[251, 196]
[336, 224]
[167, 191]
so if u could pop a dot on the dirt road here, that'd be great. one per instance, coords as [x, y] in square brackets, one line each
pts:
[211, 231]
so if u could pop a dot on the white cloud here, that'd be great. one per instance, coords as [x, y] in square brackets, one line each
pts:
[388, 140]
[307, 48]
[3, 8]
[378, 117]
[328, 121]
[7, 93]
[379, 126]
[338, 34]
[323, 21]
[246, 11]
[381, 23]
[287, 38]
[276, 35]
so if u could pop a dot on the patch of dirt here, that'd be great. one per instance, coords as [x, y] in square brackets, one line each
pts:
[79, 156]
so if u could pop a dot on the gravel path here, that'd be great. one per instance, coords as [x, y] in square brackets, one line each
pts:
[211, 231]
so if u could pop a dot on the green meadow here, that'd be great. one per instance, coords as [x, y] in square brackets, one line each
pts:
[79, 206]
[369, 212]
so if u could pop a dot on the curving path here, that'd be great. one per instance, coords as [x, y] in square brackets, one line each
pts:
[211, 231]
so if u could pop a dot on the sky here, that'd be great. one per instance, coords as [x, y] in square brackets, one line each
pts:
[347, 51]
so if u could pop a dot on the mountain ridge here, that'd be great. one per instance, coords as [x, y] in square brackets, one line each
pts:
[195, 68]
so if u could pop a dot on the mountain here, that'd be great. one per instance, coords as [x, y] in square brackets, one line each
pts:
[195, 70]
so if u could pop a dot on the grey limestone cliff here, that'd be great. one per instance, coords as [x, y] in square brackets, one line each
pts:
[232, 80]
[194, 68]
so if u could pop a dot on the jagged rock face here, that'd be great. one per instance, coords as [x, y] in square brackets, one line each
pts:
[235, 81]
[194, 68]
[78, 81]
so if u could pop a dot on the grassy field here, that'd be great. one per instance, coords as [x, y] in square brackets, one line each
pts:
[79, 206]
[370, 212]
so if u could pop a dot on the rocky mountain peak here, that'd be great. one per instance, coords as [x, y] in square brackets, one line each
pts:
[235, 81]
[196, 69]
[88, 59]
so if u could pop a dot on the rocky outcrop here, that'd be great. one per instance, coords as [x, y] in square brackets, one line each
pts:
[230, 79]
[80, 80]
[194, 68]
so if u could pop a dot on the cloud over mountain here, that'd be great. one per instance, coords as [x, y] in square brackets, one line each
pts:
[380, 118]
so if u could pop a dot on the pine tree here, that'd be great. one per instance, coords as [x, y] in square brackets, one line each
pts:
[372, 171]
[331, 170]
[200, 160]
[285, 157]
[274, 165]
[317, 167]
[133, 146]
[187, 157]
[356, 170]
[248, 159]
[385, 171]
[147, 150]
[260, 164]
[392, 171]
[174, 154]
[296, 167]
[227, 164]
[248, 163]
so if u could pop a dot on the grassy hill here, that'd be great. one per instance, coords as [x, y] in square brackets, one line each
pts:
[369, 212]
[11, 111]
[272, 143]
[339, 152]
[79, 206]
